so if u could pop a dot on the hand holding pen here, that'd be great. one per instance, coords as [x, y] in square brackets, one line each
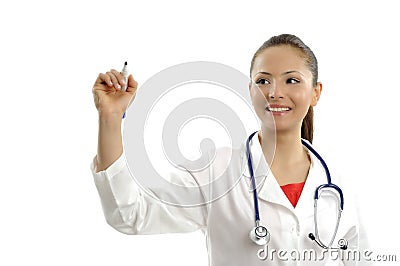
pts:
[113, 91]
[111, 102]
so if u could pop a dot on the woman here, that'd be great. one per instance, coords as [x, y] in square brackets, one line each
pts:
[285, 87]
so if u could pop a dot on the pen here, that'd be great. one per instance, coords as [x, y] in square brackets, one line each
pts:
[125, 73]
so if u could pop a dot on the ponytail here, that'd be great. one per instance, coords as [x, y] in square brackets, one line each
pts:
[307, 127]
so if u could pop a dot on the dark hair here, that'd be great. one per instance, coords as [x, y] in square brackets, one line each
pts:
[307, 127]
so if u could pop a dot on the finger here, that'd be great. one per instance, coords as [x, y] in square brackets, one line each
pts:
[103, 79]
[132, 84]
[120, 77]
[114, 79]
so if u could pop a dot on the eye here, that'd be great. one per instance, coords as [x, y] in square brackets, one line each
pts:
[292, 81]
[262, 81]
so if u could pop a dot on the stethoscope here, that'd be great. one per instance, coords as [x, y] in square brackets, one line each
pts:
[260, 234]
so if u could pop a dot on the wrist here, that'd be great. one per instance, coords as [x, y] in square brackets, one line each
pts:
[110, 113]
[109, 117]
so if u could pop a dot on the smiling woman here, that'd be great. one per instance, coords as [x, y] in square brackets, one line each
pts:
[285, 73]
[302, 57]
[287, 174]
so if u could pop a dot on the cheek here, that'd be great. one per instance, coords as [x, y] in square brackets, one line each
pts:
[259, 103]
[257, 97]
[303, 98]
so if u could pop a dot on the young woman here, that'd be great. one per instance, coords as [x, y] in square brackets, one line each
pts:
[274, 223]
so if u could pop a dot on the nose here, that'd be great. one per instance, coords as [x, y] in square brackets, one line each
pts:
[275, 92]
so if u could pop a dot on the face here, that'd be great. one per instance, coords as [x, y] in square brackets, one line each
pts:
[282, 90]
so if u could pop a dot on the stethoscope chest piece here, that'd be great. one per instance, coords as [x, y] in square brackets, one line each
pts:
[259, 235]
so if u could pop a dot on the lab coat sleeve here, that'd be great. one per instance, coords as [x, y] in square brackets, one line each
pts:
[130, 210]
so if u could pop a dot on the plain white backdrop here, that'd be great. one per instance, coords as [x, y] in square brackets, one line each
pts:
[52, 51]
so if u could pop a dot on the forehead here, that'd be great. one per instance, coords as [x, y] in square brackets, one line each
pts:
[279, 59]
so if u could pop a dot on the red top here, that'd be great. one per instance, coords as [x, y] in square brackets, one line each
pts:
[293, 192]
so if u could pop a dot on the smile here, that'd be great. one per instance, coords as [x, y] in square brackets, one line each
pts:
[278, 109]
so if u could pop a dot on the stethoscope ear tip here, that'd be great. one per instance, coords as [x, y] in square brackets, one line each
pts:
[342, 244]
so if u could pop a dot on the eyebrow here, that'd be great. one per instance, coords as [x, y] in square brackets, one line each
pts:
[284, 73]
[292, 71]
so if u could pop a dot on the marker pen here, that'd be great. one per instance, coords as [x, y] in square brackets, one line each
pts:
[125, 73]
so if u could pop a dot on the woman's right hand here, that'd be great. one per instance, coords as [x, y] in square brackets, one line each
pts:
[108, 96]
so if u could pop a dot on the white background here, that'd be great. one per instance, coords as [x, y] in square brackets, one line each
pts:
[52, 51]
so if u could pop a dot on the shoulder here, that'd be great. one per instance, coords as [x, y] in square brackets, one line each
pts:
[225, 159]
[338, 177]
[211, 165]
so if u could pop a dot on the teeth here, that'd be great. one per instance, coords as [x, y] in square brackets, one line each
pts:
[278, 109]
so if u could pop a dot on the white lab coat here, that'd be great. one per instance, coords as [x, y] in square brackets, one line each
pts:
[227, 221]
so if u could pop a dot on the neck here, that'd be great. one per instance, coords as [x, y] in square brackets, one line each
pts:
[286, 149]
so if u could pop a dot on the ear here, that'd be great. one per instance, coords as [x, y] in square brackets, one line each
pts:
[316, 94]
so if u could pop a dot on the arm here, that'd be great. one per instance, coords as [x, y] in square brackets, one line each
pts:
[127, 208]
[109, 146]
[111, 103]
[131, 210]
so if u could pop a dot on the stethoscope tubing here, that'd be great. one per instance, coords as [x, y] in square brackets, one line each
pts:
[318, 190]
[253, 181]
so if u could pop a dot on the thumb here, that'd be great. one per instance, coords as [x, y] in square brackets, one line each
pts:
[132, 84]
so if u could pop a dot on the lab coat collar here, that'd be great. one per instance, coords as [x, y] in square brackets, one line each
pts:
[316, 177]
